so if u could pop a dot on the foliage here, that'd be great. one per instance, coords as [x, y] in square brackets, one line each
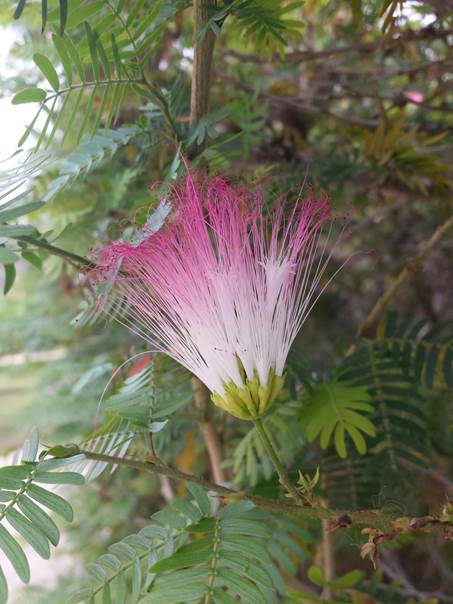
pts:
[193, 550]
[20, 496]
[332, 410]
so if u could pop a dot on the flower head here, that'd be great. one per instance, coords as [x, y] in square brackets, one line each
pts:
[415, 96]
[223, 287]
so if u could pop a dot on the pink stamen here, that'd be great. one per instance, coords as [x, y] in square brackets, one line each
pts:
[222, 280]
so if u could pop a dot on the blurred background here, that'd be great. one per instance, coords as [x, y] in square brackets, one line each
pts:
[355, 96]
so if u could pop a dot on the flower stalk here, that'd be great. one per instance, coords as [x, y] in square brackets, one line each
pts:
[282, 475]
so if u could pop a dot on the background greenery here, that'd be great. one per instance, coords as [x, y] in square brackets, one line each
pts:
[353, 95]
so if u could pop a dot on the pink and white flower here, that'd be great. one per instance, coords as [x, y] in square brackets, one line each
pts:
[224, 286]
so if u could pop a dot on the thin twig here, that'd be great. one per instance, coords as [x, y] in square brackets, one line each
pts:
[300, 104]
[363, 517]
[298, 56]
[211, 438]
[57, 251]
[393, 569]
[368, 327]
[328, 555]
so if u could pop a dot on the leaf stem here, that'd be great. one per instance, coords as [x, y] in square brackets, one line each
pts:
[56, 251]
[282, 475]
[93, 84]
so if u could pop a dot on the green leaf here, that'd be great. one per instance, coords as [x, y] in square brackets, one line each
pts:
[15, 555]
[136, 581]
[59, 477]
[6, 496]
[240, 586]
[30, 446]
[316, 576]
[7, 256]
[97, 572]
[33, 535]
[26, 208]
[64, 56]
[196, 552]
[39, 518]
[29, 95]
[348, 580]
[170, 595]
[47, 69]
[43, 15]
[17, 472]
[10, 483]
[83, 594]
[106, 594]
[19, 9]
[121, 593]
[63, 15]
[3, 588]
[32, 258]
[72, 52]
[116, 57]
[206, 525]
[10, 277]
[104, 60]
[82, 13]
[200, 497]
[92, 36]
[340, 443]
[30, 127]
[331, 408]
[62, 451]
[357, 438]
[16, 230]
[52, 501]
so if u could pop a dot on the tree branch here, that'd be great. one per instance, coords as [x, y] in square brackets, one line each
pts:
[202, 60]
[203, 403]
[298, 56]
[368, 327]
[363, 517]
[57, 251]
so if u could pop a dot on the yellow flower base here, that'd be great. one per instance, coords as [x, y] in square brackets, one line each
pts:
[252, 399]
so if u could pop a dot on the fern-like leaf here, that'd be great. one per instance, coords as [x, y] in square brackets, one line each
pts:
[22, 499]
[196, 551]
[424, 352]
[336, 410]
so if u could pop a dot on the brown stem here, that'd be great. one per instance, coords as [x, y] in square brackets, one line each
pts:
[298, 56]
[56, 251]
[376, 518]
[368, 327]
[328, 557]
[203, 403]
[202, 60]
